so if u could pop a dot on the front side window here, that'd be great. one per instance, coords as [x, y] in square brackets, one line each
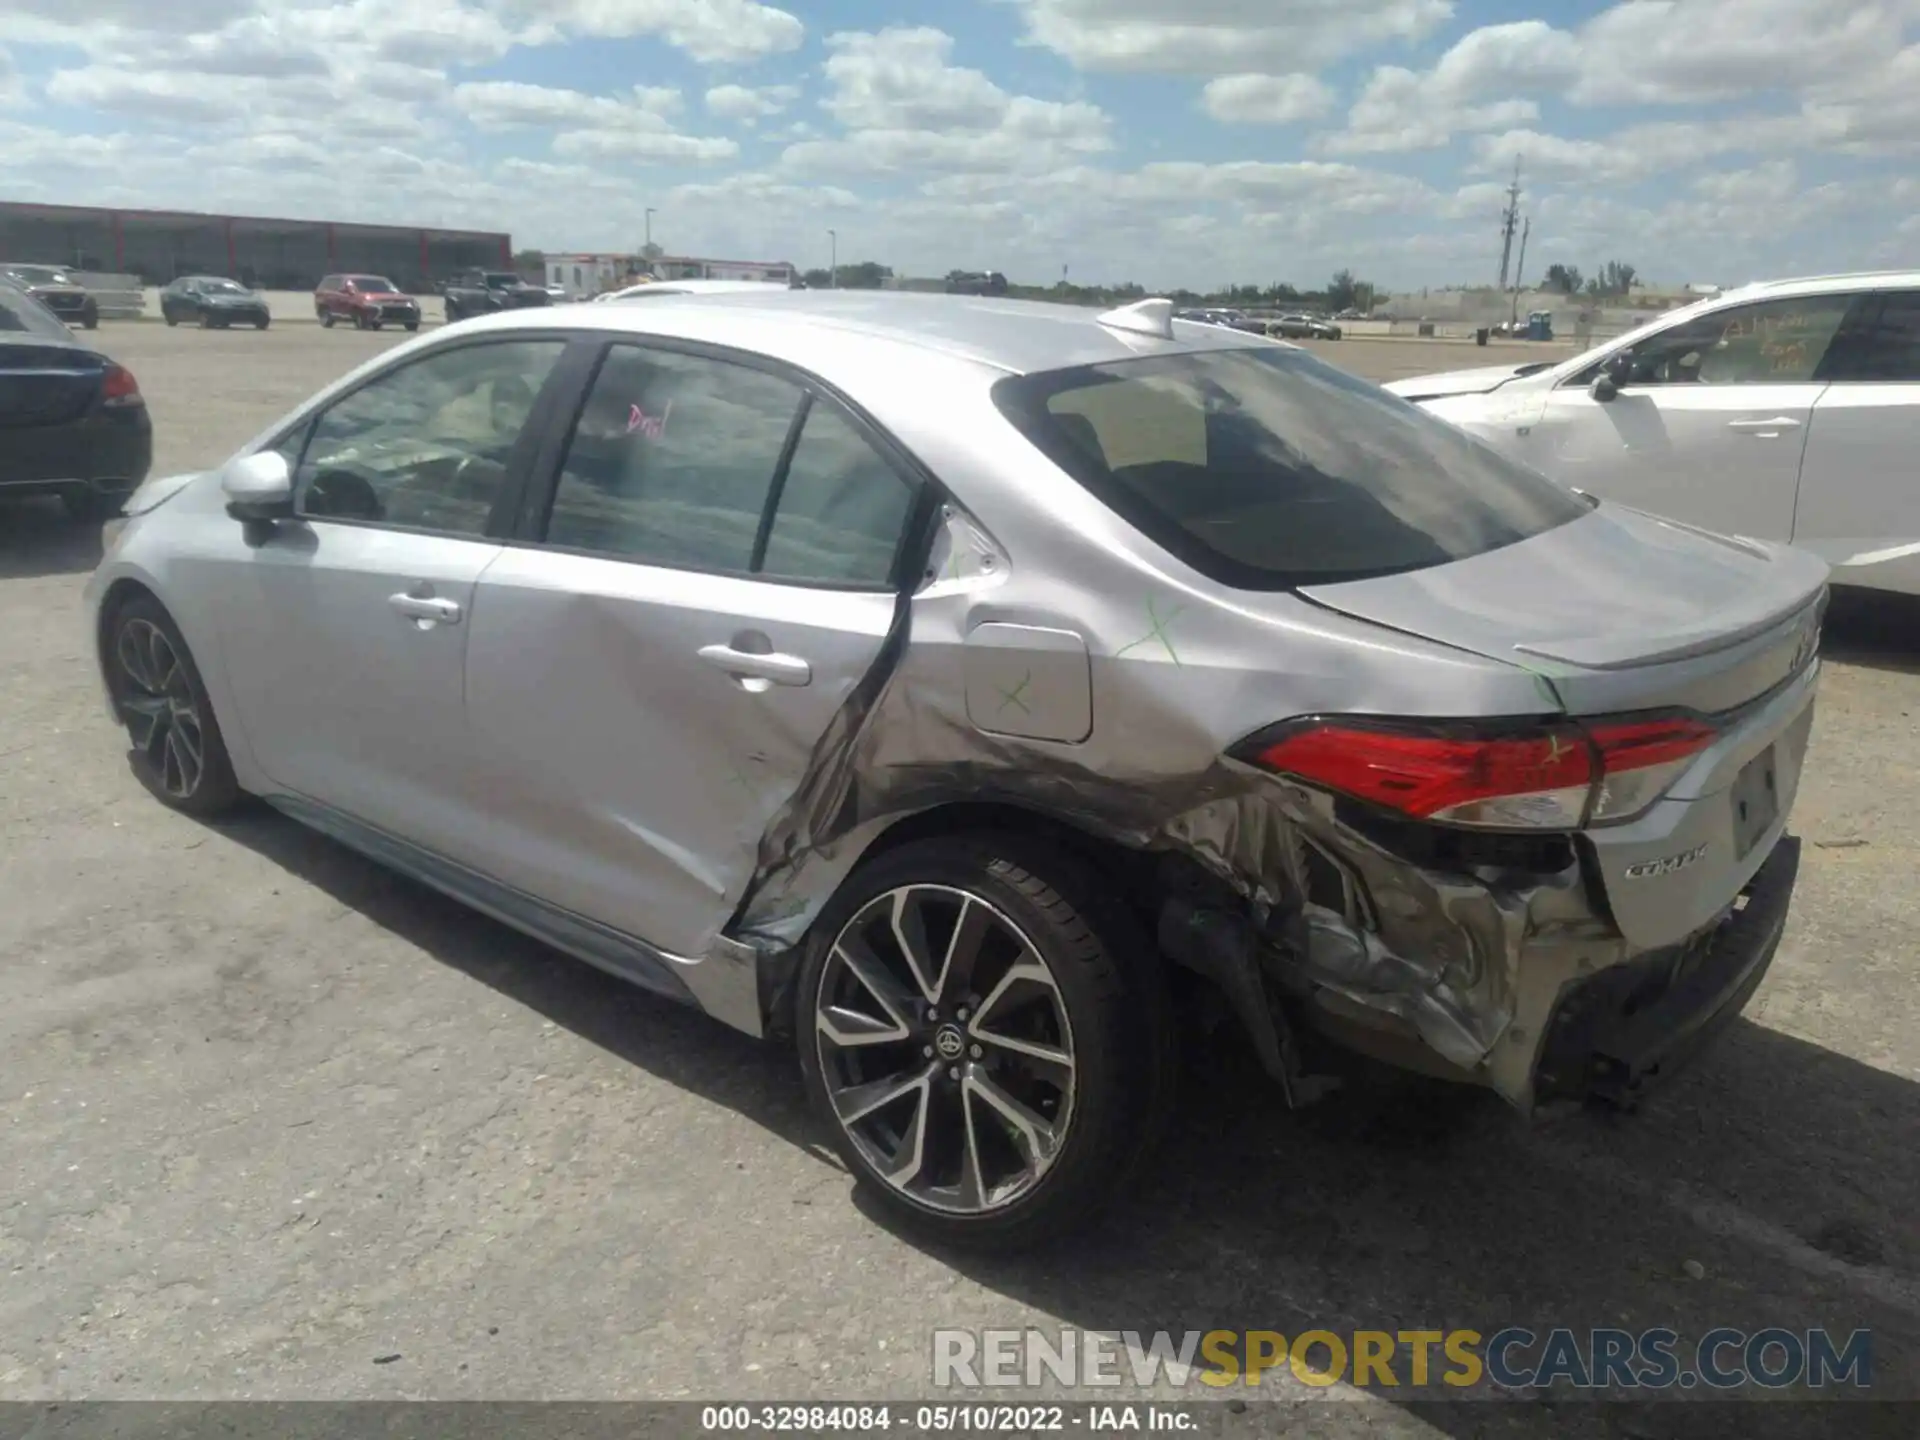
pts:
[673, 459]
[1770, 342]
[1267, 469]
[1884, 345]
[426, 446]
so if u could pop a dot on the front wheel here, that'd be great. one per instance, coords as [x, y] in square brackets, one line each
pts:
[984, 1038]
[326, 319]
[263, 322]
[412, 325]
[178, 752]
[91, 320]
[169, 317]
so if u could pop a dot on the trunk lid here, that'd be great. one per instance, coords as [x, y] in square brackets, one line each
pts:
[46, 384]
[1620, 612]
[1616, 611]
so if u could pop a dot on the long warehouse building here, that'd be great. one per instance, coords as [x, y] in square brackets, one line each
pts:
[160, 245]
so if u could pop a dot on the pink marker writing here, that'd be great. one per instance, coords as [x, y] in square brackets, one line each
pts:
[651, 426]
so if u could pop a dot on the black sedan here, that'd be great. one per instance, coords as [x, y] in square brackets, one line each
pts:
[214, 302]
[72, 422]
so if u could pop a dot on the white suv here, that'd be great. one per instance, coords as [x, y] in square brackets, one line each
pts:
[1788, 410]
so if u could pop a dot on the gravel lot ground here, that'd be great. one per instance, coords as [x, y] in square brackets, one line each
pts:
[273, 1116]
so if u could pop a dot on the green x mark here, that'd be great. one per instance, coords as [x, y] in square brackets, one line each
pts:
[739, 778]
[1158, 632]
[1013, 696]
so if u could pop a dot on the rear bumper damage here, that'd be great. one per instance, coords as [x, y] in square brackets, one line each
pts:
[1616, 1034]
[1498, 969]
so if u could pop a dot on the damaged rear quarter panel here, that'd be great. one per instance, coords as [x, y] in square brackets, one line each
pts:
[1179, 670]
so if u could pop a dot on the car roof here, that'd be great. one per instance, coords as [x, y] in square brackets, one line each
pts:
[1824, 284]
[1016, 336]
[699, 287]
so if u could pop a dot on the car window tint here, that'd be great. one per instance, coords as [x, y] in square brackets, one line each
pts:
[841, 510]
[1267, 469]
[672, 460]
[1885, 345]
[1772, 342]
[427, 445]
[21, 314]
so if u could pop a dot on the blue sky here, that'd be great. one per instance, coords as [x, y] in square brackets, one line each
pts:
[1173, 142]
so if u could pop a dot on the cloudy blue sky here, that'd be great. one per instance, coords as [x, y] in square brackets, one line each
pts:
[1169, 141]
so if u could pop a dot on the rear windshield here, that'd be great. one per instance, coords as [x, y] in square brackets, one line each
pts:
[21, 314]
[1267, 469]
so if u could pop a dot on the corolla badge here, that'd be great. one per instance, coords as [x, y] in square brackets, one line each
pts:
[1666, 865]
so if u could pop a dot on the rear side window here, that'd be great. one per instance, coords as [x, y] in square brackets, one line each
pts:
[1269, 469]
[673, 459]
[1884, 345]
[21, 314]
[842, 508]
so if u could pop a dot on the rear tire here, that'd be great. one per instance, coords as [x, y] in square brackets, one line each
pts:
[1016, 1099]
[168, 316]
[178, 751]
[412, 325]
[91, 320]
[263, 322]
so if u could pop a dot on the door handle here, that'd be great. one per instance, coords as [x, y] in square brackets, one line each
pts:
[1765, 427]
[426, 607]
[776, 669]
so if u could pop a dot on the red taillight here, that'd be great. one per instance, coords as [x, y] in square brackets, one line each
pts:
[119, 387]
[1641, 758]
[1557, 776]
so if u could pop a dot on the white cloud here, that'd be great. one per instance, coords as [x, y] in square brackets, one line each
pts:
[1666, 52]
[711, 31]
[1219, 37]
[750, 104]
[509, 104]
[13, 86]
[1267, 99]
[905, 108]
[634, 126]
[642, 145]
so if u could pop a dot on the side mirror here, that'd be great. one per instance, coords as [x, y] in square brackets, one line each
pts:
[259, 488]
[1603, 388]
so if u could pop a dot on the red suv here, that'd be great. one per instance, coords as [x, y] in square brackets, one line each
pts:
[369, 301]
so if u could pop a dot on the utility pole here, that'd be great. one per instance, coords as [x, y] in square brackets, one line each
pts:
[833, 261]
[1509, 222]
[1519, 268]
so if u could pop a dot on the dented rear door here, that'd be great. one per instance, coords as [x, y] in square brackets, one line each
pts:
[648, 682]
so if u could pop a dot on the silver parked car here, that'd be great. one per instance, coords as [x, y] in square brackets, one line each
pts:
[948, 682]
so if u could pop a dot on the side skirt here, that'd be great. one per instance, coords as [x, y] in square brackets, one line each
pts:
[725, 983]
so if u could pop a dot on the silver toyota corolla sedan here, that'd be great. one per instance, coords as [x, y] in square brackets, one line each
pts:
[959, 686]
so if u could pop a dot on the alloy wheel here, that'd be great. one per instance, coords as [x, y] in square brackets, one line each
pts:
[158, 707]
[945, 1048]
